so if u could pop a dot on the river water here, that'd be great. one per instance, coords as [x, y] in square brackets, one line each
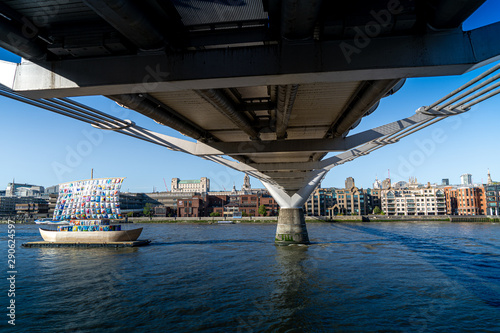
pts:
[390, 277]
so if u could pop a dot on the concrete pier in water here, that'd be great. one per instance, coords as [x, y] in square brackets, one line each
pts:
[291, 227]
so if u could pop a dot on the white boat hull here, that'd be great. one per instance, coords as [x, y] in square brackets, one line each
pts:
[90, 236]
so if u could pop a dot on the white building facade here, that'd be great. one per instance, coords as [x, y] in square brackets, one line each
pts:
[419, 201]
[201, 185]
[23, 190]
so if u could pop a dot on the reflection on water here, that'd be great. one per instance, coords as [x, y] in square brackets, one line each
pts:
[209, 278]
[291, 296]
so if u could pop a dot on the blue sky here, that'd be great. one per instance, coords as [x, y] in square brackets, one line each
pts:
[37, 146]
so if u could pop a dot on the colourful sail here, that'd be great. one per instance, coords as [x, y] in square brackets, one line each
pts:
[89, 199]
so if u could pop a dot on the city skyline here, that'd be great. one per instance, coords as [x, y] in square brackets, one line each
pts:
[46, 149]
[411, 180]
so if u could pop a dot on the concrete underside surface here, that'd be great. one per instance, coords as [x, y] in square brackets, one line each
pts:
[291, 227]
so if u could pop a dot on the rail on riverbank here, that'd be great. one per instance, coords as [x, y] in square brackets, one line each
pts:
[313, 219]
[418, 218]
[320, 219]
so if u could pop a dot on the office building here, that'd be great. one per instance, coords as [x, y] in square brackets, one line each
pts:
[352, 200]
[23, 190]
[492, 200]
[466, 179]
[32, 209]
[193, 185]
[8, 204]
[320, 201]
[162, 203]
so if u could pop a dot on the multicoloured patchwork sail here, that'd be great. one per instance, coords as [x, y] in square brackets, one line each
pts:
[89, 199]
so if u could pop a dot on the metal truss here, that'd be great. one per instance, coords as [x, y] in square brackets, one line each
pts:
[448, 52]
[459, 101]
[101, 120]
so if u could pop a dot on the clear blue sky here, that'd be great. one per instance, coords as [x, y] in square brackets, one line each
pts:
[36, 143]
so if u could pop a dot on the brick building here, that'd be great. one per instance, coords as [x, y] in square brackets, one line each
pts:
[248, 205]
[466, 200]
[192, 207]
[226, 205]
[320, 201]
[374, 199]
[352, 200]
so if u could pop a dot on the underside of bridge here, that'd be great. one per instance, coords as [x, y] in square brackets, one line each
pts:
[273, 84]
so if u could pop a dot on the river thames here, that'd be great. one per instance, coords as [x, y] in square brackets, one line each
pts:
[391, 277]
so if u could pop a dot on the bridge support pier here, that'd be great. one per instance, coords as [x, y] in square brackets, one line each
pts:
[291, 227]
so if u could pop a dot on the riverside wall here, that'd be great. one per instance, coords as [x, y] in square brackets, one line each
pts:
[313, 219]
[309, 219]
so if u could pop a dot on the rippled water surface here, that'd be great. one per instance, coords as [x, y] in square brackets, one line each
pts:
[391, 277]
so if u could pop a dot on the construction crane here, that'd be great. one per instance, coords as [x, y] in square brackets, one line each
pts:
[165, 184]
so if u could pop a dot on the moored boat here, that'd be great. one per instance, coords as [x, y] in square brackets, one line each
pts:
[90, 236]
[90, 206]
